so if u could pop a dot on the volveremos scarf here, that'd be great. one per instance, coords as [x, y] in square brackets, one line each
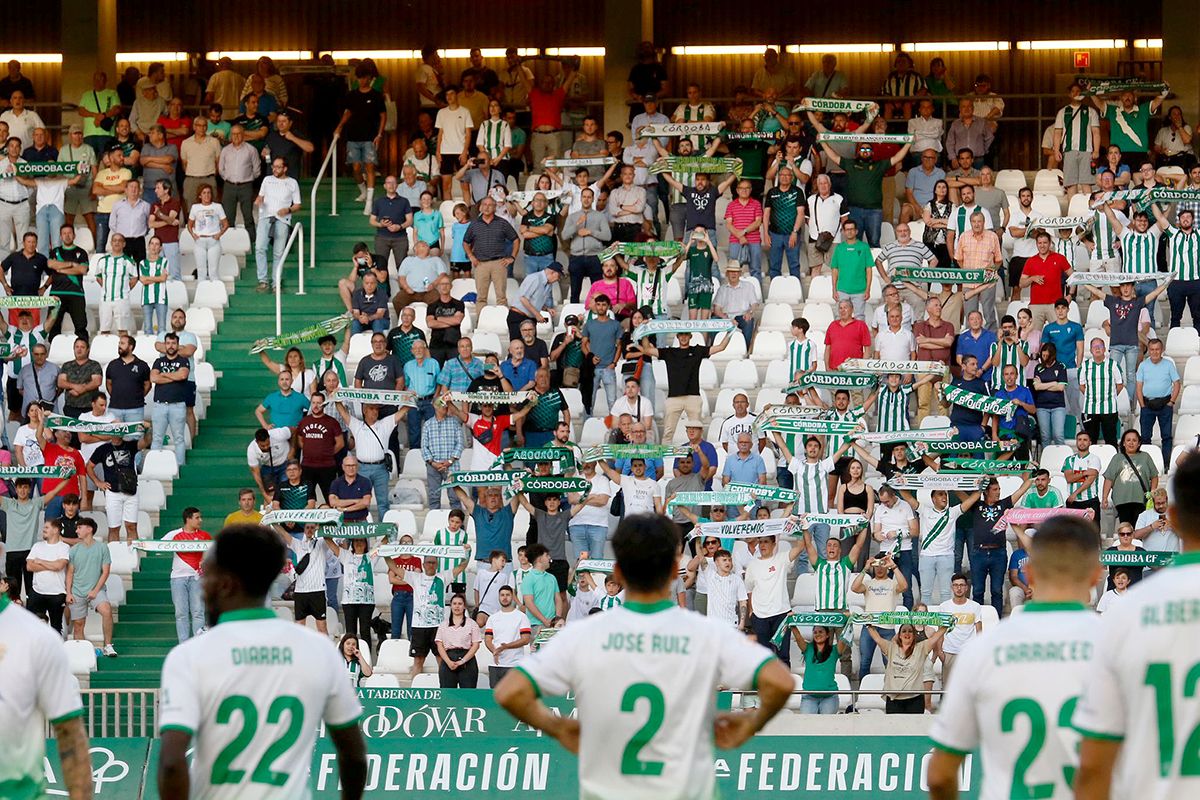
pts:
[727, 498]
[492, 398]
[642, 250]
[421, 550]
[918, 435]
[657, 326]
[315, 331]
[28, 301]
[303, 516]
[745, 529]
[979, 402]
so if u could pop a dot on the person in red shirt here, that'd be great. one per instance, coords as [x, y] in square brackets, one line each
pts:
[177, 126]
[488, 428]
[321, 438]
[846, 338]
[1044, 274]
[60, 453]
[402, 593]
[185, 577]
[545, 107]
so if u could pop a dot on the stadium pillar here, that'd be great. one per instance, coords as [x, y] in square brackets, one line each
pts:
[1181, 53]
[626, 23]
[89, 43]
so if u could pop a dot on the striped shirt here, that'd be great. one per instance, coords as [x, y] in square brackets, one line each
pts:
[650, 286]
[800, 357]
[1099, 384]
[909, 84]
[337, 364]
[1066, 247]
[27, 339]
[610, 601]
[833, 580]
[445, 536]
[912, 255]
[1009, 354]
[494, 136]
[1105, 236]
[116, 272]
[153, 293]
[1076, 123]
[836, 440]
[1080, 463]
[704, 112]
[724, 593]
[893, 408]
[1140, 250]
[1183, 253]
[812, 485]
[937, 529]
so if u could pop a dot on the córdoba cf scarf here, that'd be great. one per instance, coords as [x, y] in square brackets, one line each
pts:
[979, 402]
[314, 331]
[641, 250]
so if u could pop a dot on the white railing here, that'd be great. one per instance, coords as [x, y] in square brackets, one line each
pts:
[330, 157]
[297, 235]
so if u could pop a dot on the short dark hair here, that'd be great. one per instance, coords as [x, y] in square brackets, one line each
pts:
[252, 554]
[959, 576]
[801, 323]
[1062, 301]
[171, 335]
[190, 512]
[1065, 545]
[506, 588]
[535, 551]
[647, 549]
[455, 512]
[86, 522]
[262, 435]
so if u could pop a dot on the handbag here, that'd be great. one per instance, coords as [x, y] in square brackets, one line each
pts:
[617, 506]
[824, 242]
[1157, 403]
[1142, 483]
[106, 123]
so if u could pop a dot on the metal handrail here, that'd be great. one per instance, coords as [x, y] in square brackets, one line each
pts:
[331, 156]
[297, 234]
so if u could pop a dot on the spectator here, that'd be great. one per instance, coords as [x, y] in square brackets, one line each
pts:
[1183, 260]
[420, 376]
[970, 423]
[1045, 274]
[683, 376]
[964, 174]
[1050, 388]
[458, 373]
[827, 81]
[773, 76]
[283, 143]
[906, 658]
[88, 569]
[744, 218]
[968, 622]
[1129, 124]
[546, 103]
[320, 439]
[864, 185]
[1129, 480]
[185, 576]
[362, 262]
[626, 204]
[1077, 141]
[368, 307]
[1173, 144]
[639, 489]
[492, 245]
[370, 449]
[458, 638]
[738, 301]
[78, 199]
[178, 126]
[37, 382]
[278, 198]
[79, 379]
[165, 220]
[921, 182]
[766, 585]
[22, 121]
[391, 216]
[534, 298]
[350, 492]
[902, 81]
[14, 81]
[130, 218]
[827, 215]
[363, 123]
[847, 337]
[506, 634]
[169, 411]
[970, 132]
[979, 248]
[207, 223]
[744, 465]
[48, 562]
[1154, 527]
[309, 587]
[416, 276]
[239, 166]
[783, 219]
[267, 456]
[493, 520]
[1158, 389]
[478, 179]
[881, 583]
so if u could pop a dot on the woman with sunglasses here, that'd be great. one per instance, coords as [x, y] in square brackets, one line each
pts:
[1125, 545]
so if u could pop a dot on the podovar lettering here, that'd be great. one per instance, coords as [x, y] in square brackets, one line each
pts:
[425, 722]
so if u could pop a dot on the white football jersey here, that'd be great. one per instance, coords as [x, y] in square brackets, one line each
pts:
[1014, 692]
[639, 673]
[252, 692]
[1143, 684]
[36, 685]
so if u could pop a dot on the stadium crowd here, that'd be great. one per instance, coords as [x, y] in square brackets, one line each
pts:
[793, 362]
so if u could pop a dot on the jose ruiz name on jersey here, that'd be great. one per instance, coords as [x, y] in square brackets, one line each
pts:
[663, 644]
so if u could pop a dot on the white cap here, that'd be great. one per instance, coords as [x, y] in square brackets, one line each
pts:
[688, 423]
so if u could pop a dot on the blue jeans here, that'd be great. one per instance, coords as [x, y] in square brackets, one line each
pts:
[376, 326]
[170, 251]
[867, 647]
[1164, 419]
[869, 222]
[537, 263]
[101, 233]
[332, 595]
[50, 220]
[746, 326]
[960, 544]
[131, 415]
[985, 565]
[1052, 424]
[820, 535]
[578, 268]
[907, 562]
[1126, 356]
[819, 704]
[415, 418]
[150, 311]
[273, 475]
[189, 606]
[747, 254]
[606, 377]
[170, 417]
[1141, 290]
[935, 578]
[589, 538]
[268, 225]
[779, 248]
[433, 484]
[378, 475]
[402, 612]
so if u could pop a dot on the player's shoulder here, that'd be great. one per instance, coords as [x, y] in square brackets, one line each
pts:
[17, 624]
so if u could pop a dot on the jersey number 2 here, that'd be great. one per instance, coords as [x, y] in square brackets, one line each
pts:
[222, 771]
[1030, 708]
[631, 764]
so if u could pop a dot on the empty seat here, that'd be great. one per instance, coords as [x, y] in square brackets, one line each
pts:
[151, 496]
[1048, 181]
[818, 314]
[1047, 205]
[820, 289]
[160, 465]
[1009, 181]
[211, 294]
[235, 241]
[1183, 342]
[201, 321]
[382, 680]
[393, 657]
[777, 375]
[785, 289]
[742, 373]
[81, 657]
[768, 346]
[1191, 371]
[776, 317]
[1054, 456]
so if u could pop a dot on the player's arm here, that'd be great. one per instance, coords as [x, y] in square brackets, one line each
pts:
[72, 741]
[517, 695]
[1097, 757]
[943, 775]
[351, 751]
[775, 684]
[173, 780]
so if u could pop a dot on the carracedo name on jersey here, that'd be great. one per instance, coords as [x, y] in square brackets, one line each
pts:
[461, 772]
[865, 774]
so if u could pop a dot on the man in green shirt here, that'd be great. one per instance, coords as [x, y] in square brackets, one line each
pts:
[88, 568]
[852, 264]
[540, 588]
[864, 185]
[1043, 495]
[1129, 125]
[99, 105]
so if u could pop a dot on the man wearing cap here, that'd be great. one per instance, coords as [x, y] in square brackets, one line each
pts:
[683, 376]
[535, 296]
[147, 108]
[78, 199]
[704, 452]
[737, 301]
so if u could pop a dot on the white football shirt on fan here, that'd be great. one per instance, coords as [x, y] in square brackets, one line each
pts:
[1015, 691]
[36, 685]
[640, 673]
[265, 684]
[1143, 681]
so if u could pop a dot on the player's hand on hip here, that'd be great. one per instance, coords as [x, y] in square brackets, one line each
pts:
[732, 729]
[567, 733]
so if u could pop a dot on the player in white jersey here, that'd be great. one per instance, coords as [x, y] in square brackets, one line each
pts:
[1139, 714]
[36, 685]
[1017, 685]
[644, 677]
[250, 694]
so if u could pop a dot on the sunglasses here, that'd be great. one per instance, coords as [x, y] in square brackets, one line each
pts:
[1124, 533]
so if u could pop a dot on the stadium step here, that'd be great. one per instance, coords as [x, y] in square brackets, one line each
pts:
[216, 465]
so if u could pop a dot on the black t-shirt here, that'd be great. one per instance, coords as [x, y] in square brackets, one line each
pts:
[377, 374]
[25, 275]
[446, 337]
[69, 526]
[1055, 373]
[983, 517]
[647, 78]
[683, 369]
[289, 151]
[176, 391]
[63, 285]
[116, 464]
[537, 351]
[128, 382]
[701, 208]
[292, 497]
[364, 108]
[960, 415]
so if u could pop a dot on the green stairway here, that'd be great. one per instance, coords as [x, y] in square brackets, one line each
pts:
[216, 464]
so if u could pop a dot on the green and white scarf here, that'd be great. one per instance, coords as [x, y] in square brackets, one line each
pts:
[534, 455]
[315, 331]
[807, 426]
[492, 398]
[542, 636]
[879, 366]
[1142, 558]
[657, 326]
[979, 402]
[986, 466]
[805, 521]
[827, 619]
[753, 136]
[1036, 516]
[745, 529]
[865, 138]
[58, 422]
[489, 477]
[1134, 195]
[951, 481]
[28, 301]
[594, 161]
[825, 379]
[680, 129]
[833, 105]
[917, 435]
[953, 448]
[775, 494]
[51, 169]
[695, 164]
[606, 452]
[383, 397]
[1113, 278]
[44, 471]
[1117, 85]
[304, 516]
[449, 551]
[604, 565]
[171, 546]
[641, 250]
[727, 498]
[943, 275]
[1057, 223]
[359, 530]
[918, 619]
[524, 199]
[553, 484]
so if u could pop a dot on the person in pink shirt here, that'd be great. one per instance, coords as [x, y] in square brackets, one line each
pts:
[619, 289]
[846, 338]
[744, 218]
